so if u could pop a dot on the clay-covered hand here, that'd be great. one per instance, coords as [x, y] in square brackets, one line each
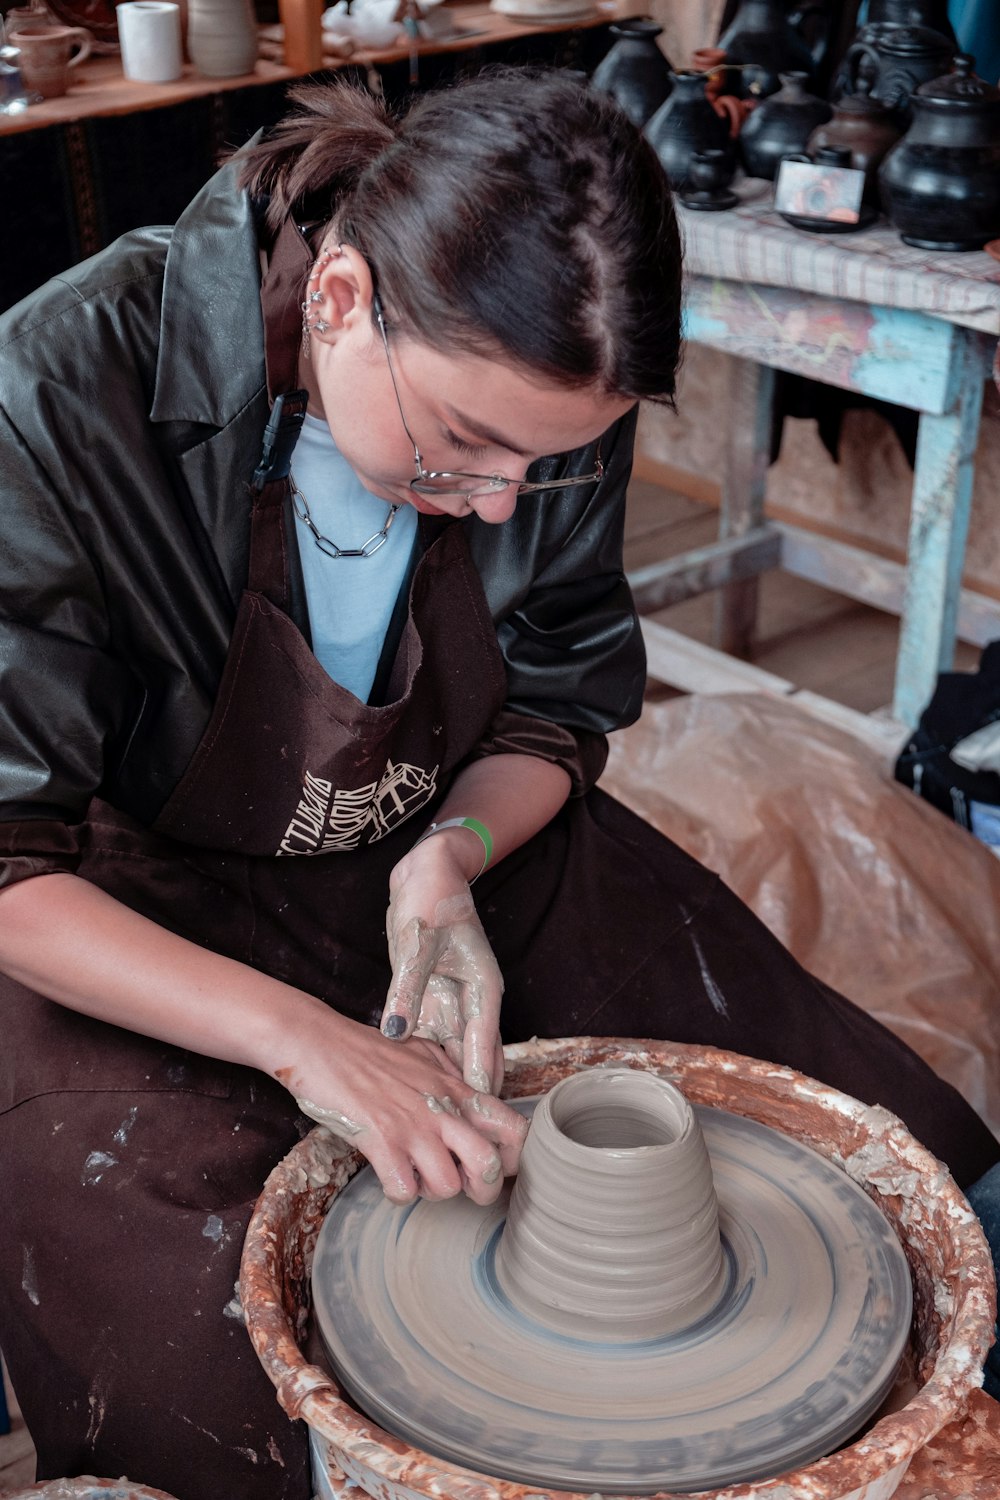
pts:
[407, 1109]
[446, 984]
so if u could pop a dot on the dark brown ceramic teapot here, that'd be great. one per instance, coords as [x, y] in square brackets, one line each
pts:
[865, 128]
[940, 185]
[895, 61]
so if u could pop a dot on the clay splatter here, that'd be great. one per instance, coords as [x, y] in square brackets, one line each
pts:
[122, 1133]
[213, 1228]
[711, 988]
[94, 1168]
[29, 1277]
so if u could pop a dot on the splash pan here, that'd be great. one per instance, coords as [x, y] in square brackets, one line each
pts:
[798, 1351]
[951, 1273]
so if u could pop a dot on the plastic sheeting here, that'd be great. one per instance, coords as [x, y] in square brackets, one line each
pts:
[871, 889]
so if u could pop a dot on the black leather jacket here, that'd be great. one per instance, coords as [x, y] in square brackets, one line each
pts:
[132, 406]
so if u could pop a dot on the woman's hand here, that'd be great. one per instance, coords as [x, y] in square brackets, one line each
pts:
[446, 985]
[406, 1107]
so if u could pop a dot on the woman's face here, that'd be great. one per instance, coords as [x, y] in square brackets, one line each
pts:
[465, 412]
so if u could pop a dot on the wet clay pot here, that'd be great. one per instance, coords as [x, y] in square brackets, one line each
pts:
[687, 123]
[940, 185]
[951, 1268]
[763, 43]
[864, 127]
[621, 1158]
[635, 72]
[781, 126]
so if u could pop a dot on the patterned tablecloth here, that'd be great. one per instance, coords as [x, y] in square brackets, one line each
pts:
[753, 243]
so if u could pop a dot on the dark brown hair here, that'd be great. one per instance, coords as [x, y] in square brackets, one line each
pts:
[518, 211]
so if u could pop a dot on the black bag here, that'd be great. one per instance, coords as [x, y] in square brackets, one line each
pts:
[962, 703]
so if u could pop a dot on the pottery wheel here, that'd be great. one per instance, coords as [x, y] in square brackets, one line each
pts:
[798, 1352]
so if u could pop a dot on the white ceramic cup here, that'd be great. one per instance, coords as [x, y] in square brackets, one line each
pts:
[150, 36]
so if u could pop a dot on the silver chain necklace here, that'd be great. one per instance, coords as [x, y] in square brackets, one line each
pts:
[324, 543]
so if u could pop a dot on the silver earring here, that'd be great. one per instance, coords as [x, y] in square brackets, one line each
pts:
[313, 296]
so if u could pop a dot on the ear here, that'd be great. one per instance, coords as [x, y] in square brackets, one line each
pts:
[339, 294]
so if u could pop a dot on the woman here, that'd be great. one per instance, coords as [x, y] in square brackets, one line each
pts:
[302, 616]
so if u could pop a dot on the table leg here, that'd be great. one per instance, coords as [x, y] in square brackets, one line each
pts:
[744, 483]
[939, 525]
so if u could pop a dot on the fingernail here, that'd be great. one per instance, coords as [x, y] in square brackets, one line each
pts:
[393, 1026]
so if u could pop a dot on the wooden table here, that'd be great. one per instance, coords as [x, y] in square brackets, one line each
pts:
[865, 313]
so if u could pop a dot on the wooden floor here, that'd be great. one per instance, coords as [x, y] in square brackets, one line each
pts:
[816, 639]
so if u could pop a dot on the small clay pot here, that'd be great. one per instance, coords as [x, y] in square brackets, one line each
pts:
[710, 174]
[895, 61]
[635, 72]
[781, 126]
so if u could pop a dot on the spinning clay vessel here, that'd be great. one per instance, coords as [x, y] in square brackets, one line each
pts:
[746, 1109]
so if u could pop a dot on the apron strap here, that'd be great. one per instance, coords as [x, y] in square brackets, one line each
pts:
[281, 295]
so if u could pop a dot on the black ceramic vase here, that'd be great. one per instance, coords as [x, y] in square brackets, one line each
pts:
[635, 72]
[781, 125]
[684, 125]
[940, 186]
[763, 43]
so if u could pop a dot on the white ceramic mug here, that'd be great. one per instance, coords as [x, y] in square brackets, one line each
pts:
[150, 35]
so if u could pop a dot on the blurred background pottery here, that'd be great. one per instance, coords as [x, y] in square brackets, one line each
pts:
[932, 13]
[222, 37]
[894, 61]
[709, 176]
[940, 185]
[635, 72]
[685, 124]
[780, 125]
[864, 127]
[763, 42]
[48, 53]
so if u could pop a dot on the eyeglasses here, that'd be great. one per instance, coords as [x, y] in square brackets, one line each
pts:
[448, 482]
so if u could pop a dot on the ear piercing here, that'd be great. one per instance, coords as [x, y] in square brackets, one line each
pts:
[317, 324]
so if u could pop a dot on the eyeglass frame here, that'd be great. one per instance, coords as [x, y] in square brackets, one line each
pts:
[492, 483]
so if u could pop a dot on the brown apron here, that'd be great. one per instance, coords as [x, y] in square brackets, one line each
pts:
[131, 1167]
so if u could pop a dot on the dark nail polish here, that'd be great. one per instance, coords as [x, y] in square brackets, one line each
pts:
[393, 1026]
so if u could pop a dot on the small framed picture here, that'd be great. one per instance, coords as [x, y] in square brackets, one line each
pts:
[813, 190]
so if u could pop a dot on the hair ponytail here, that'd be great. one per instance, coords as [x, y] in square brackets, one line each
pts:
[517, 212]
[317, 153]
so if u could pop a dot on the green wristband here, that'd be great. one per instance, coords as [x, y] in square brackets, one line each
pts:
[474, 826]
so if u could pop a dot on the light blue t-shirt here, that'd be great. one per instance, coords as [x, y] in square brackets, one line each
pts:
[350, 599]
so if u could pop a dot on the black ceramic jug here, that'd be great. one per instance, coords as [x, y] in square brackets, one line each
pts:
[780, 126]
[684, 125]
[940, 186]
[763, 43]
[635, 72]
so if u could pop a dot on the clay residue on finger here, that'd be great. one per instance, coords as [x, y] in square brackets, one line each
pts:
[332, 1118]
[442, 1106]
[492, 1170]
[451, 909]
